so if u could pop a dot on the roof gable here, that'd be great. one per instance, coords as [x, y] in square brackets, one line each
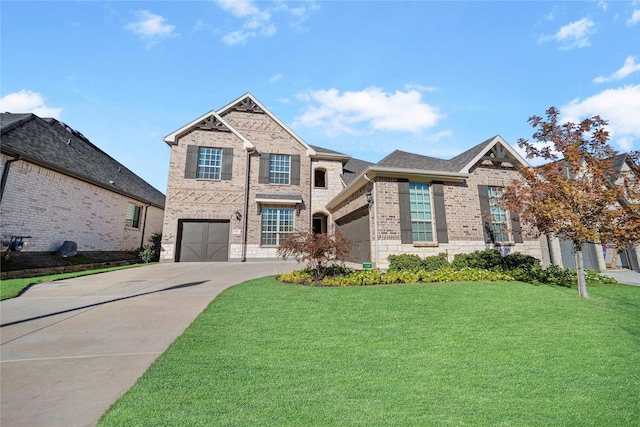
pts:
[495, 149]
[54, 145]
[209, 121]
[248, 103]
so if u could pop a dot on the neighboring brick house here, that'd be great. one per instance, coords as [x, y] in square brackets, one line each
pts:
[240, 180]
[58, 186]
[597, 256]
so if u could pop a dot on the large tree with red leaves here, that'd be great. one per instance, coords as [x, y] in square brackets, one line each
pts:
[577, 195]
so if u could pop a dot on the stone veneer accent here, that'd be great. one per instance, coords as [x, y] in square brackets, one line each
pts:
[321, 196]
[53, 207]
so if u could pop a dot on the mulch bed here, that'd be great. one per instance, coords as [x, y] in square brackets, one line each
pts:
[30, 264]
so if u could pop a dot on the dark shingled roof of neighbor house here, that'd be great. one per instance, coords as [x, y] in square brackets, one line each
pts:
[54, 145]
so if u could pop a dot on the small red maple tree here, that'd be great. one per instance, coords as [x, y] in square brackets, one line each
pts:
[318, 250]
[578, 195]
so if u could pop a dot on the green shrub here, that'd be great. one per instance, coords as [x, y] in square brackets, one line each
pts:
[414, 262]
[595, 278]
[487, 260]
[404, 262]
[517, 260]
[435, 262]
[147, 254]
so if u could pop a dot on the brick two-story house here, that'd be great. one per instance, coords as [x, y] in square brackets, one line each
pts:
[240, 180]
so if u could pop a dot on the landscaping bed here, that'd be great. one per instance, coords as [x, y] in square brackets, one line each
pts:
[33, 264]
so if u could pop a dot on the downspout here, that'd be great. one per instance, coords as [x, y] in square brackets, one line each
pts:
[311, 177]
[245, 222]
[5, 174]
[144, 225]
[375, 218]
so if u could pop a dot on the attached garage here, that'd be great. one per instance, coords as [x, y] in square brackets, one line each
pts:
[355, 226]
[203, 241]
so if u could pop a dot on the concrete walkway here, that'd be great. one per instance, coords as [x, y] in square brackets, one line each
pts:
[628, 277]
[70, 349]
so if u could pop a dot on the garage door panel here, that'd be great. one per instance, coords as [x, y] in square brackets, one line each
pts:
[192, 232]
[356, 229]
[217, 252]
[190, 252]
[204, 241]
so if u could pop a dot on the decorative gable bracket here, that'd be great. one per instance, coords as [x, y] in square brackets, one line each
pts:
[247, 105]
[499, 154]
[212, 123]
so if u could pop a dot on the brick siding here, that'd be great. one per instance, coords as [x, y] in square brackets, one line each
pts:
[53, 207]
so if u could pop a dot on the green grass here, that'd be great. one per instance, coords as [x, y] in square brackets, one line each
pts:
[11, 288]
[496, 354]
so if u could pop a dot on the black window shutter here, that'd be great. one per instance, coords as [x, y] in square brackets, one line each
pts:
[295, 169]
[441, 218]
[406, 233]
[191, 166]
[227, 164]
[516, 227]
[263, 173]
[485, 212]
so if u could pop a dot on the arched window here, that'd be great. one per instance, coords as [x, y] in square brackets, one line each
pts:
[320, 178]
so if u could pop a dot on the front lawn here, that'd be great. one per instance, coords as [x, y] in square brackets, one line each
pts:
[486, 353]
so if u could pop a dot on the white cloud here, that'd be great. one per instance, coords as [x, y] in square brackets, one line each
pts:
[629, 67]
[620, 107]
[420, 88]
[603, 5]
[258, 22]
[366, 110]
[275, 78]
[26, 101]
[575, 34]
[635, 18]
[150, 27]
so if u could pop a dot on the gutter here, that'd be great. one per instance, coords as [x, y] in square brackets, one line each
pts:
[245, 222]
[376, 171]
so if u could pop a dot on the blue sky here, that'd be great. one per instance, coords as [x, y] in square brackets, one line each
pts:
[360, 77]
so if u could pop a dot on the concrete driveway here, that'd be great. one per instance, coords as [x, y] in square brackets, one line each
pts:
[70, 349]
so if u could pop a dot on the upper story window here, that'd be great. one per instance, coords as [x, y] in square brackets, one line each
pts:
[320, 178]
[421, 216]
[209, 163]
[498, 215]
[132, 218]
[280, 169]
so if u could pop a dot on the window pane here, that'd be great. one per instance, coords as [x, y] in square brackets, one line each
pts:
[279, 168]
[209, 163]
[420, 205]
[498, 215]
[276, 225]
[132, 218]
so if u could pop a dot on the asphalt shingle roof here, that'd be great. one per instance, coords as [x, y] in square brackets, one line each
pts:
[326, 150]
[352, 169]
[53, 144]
